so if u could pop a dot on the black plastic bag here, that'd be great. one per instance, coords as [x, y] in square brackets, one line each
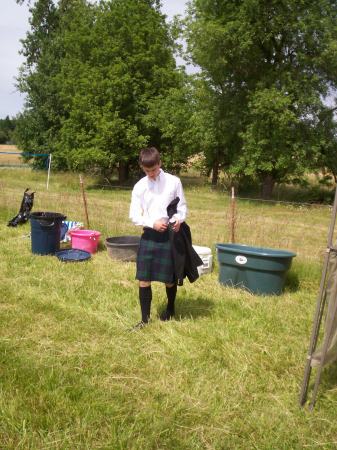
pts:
[25, 208]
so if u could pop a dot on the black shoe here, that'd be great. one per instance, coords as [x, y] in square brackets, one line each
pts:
[138, 326]
[166, 315]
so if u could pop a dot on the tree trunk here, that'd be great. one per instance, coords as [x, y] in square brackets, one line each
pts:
[215, 173]
[123, 172]
[268, 184]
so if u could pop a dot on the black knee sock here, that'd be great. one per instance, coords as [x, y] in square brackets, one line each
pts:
[145, 297]
[171, 293]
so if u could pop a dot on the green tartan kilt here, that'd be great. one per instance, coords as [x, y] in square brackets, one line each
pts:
[154, 261]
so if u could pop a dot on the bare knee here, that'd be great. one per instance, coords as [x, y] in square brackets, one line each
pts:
[144, 283]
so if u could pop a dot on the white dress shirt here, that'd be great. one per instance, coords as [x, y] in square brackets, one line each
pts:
[150, 199]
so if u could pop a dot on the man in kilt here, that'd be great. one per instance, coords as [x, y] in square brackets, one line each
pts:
[150, 197]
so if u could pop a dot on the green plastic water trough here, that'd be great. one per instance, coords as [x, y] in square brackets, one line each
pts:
[256, 269]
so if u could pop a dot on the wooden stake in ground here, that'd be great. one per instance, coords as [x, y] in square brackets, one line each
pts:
[232, 217]
[49, 166]
[85, 203]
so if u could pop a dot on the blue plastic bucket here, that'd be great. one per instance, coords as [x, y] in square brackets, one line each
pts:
[46, 232]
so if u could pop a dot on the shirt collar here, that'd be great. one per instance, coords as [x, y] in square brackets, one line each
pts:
[158, 179]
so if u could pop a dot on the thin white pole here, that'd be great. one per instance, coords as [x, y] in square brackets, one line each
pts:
[49, 164]
[232, 217]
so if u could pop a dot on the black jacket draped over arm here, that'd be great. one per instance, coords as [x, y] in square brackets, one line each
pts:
[185, 259]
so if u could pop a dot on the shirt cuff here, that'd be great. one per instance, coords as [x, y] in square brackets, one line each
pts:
[174, 218]
[178, 217]
[148, 223]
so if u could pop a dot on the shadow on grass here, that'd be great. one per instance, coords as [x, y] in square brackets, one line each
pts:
[101, 247]
[329, 377]
[191, 308]
[292, 282]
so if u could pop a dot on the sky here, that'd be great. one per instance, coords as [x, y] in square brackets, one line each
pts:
[13, 27]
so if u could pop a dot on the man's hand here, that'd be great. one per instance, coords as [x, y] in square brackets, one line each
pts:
[176, 226]
[160, 225]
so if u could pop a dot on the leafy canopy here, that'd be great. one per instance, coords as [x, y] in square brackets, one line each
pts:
[90, 78]
[269, 64]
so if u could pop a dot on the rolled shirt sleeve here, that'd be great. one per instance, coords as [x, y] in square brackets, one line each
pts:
[182, 206]
[136, 213]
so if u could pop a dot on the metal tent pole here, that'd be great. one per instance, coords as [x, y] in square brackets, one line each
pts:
[324, 352]
[319, 308]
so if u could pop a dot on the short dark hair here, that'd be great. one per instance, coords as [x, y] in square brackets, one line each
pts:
[149, 157]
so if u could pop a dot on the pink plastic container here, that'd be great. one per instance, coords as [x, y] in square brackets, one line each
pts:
[85, 240]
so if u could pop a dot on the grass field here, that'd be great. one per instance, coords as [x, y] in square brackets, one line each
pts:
[225, 374]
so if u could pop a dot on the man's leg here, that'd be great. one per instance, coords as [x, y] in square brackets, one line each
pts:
[171, 292]
[145, 298]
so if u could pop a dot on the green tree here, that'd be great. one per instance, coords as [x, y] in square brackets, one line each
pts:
[269, 64]
[7, 128]
[172, 114]
[100, 68]
[328, 147]
[187, 120]
[38, 125]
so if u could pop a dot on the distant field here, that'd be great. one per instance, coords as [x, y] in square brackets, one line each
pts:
[7, 159]
[8, 148]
